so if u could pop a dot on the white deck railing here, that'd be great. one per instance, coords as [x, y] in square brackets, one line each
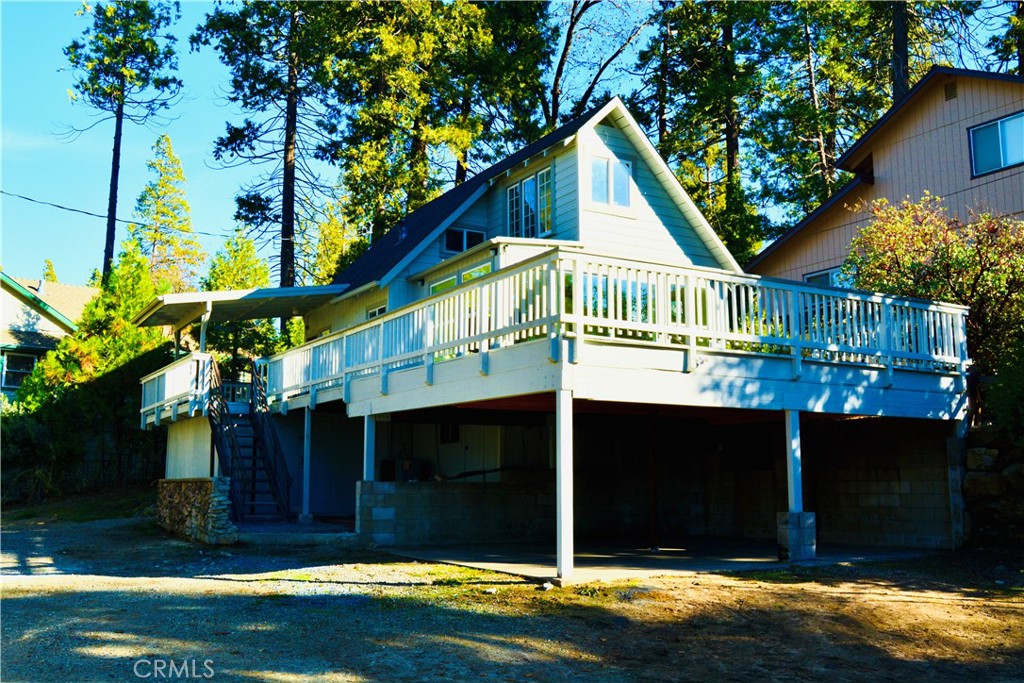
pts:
[186, 381]
[598, 299]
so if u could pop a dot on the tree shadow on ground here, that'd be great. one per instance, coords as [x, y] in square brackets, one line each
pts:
[454, 636]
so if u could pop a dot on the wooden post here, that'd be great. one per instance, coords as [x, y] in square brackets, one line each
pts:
[794, 472]
[307, 434]
[369, 447]
[563, 478]
[203, 325]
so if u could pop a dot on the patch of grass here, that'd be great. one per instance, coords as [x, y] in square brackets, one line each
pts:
[107, 505]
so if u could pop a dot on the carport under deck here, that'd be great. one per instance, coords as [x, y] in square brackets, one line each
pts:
[579, 328]
[647, 475]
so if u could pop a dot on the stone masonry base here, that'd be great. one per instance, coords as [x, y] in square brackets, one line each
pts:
[197, 509]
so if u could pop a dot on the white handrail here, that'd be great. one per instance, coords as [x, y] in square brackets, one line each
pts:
[607, 299]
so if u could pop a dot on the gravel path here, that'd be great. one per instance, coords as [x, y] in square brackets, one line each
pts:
[111, 600]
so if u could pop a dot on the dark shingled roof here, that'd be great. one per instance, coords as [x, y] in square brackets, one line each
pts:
[390, 249]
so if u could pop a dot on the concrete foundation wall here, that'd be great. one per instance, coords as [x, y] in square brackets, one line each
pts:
[879, 481]
[188, 448]
[414, 513]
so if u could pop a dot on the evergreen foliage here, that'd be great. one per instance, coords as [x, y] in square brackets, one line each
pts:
[238, 266]
[124, 66]
[166, 235]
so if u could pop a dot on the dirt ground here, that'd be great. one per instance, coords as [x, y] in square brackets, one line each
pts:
[106, 600]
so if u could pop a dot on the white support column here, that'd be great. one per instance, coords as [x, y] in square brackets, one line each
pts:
[369, 447]
[563, 479]
[205, 322]
[797, 534]
[794, 471]
[307, 437]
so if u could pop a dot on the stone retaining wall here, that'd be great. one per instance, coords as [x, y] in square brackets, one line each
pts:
[197, 509]
[415, 513]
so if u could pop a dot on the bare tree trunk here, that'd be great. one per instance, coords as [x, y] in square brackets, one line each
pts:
[115, 171]
[819, 136]
[732, 128]
[462, 162]
[900, 50]
[291, 116]
[663, 92]
[551, 107]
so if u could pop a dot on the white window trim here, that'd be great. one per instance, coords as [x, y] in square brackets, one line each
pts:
[835, 278]
[518, 185]
[465, 232]
[376, 311]
[3, 370]
[460, 275]
[609, 207]
[970, 140]
[448, 278]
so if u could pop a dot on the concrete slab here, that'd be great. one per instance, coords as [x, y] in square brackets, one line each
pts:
[616, 563]
[291, 533]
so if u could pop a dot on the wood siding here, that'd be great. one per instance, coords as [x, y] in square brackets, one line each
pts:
[652, 227]
[344, 314]
[188, 448]
[924, 148]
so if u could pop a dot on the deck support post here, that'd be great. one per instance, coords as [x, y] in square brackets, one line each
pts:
[796, 530]
[205, 322]
[307, 436]
[794, 469]
[369, 447]
[563, 485]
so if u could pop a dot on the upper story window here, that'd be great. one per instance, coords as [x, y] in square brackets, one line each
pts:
[610, 181]
[997, 145]
[16, 367]
[528, 206]
[457, 239]
[833, 277]
[375, 312]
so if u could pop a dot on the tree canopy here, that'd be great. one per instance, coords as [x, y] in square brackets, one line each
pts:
[124, 65]
[165, 223]
[917, 249]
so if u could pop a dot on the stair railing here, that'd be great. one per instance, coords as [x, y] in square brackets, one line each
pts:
[267, 444]
[228, 452]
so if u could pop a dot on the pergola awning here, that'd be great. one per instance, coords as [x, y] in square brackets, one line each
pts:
[180, 310]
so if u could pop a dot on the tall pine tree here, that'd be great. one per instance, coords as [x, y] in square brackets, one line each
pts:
[165, 234]
[124, 66]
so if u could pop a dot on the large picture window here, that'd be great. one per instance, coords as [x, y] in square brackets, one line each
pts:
[997, 145]
[528, 205]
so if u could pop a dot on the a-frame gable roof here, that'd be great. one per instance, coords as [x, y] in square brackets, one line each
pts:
[389, 254]
[415, 230]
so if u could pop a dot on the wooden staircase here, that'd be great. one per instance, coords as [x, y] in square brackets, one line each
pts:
[249, 453]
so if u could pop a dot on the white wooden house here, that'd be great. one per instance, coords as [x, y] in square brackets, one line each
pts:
[561, 346]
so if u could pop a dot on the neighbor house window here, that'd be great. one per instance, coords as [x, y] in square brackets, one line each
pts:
[528, 206]
[16, 367]
[457, 239]
[610, 181]
[476, 271]
[444, 285]
[998, 144]
[376, 311]
[833, 277]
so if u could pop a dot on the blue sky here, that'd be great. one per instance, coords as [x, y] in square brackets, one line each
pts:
[37, 164]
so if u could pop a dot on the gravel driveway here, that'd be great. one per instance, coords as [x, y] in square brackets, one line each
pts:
[121, 601]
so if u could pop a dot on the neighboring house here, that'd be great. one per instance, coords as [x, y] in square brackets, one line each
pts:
[562, 348]
[958, 134]
[34, 316]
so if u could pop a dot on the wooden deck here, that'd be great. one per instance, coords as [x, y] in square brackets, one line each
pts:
[612, 329]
